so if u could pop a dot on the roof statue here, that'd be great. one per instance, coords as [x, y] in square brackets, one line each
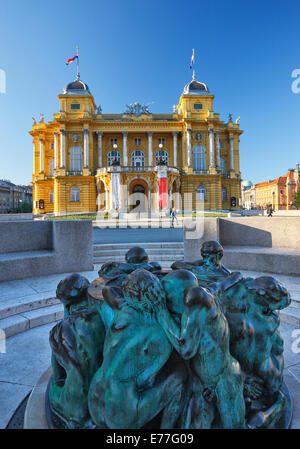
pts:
[138, 109]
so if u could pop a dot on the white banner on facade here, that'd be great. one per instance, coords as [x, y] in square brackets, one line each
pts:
[115, 191]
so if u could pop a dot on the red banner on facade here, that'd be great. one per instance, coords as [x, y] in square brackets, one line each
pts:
[162, 192]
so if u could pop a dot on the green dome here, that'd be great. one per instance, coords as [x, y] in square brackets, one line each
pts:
[247, 183]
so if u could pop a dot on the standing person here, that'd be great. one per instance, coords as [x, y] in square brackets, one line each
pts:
[173, 217]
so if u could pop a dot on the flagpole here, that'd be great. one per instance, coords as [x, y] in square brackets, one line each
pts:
[194, 76]
[77, 63]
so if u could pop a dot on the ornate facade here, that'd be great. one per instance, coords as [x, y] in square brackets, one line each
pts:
[88, 161]
[279, 193]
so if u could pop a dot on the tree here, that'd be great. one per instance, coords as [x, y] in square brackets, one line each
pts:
[296, 201]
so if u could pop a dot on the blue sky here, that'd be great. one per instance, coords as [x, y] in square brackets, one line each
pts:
[140, 51]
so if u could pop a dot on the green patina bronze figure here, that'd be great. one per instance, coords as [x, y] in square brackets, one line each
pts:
[145, 348]
[77, 347]
[208, 269]
[251, 310]
[203, 338]
[139, 377]
[114, 273]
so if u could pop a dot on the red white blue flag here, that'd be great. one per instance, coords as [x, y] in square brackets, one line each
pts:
[192, 60]
[69, 61]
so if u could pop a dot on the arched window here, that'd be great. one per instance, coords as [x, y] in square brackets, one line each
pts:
[224, 194]
[75, 195]
[222, 166]
[199, 158]
[138, 159]
[162, 155]
[201, 193]
[113, 156]
[51, 167]
[51, 197]
[76, 159]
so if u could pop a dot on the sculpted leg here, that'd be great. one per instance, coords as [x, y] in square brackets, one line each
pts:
[230, 402]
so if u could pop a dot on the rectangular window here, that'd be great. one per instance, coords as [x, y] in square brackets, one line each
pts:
[198, 106]
[137, 142]
[162, 142]
[75, 106]
[113, 142]
[52, 146]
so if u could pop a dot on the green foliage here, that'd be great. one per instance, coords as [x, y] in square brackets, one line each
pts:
[296, 202]
[25, 208]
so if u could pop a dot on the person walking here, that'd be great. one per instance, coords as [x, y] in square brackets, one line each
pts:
[270, 210]
[173, 217]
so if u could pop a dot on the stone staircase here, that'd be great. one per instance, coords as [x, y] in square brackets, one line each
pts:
[164, 253]
[23, 314]
[291, 315]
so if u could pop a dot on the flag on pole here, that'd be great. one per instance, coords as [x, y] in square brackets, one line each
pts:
[192, 60]
[69, 61]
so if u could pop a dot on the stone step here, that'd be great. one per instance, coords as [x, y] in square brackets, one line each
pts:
[153, 258]
[146, 246]
[290, 316]
[15, 306]
[151, 252]
[16, 324]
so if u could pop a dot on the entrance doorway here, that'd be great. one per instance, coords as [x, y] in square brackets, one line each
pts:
[138, 201]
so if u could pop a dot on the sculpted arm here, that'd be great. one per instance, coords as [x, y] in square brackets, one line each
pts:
[186, 339]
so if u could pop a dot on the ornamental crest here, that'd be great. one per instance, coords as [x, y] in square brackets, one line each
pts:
[137, 109]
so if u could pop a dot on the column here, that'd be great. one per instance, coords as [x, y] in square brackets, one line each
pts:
[150, 156]
[86, 148]
[99, 134]
[218, 149]
[125, 161]
[189, 147]
[231, 153]
[55, 151]
[41, 155]
[175, 148]
[211, 148]
[62, 148]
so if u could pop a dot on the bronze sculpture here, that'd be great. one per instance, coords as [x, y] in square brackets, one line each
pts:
[175, 354]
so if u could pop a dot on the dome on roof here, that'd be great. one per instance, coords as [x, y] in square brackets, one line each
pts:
[195, 88]
[77, 87]
[247, 183]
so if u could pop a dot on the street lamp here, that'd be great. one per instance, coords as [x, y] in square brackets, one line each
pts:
[20, 201]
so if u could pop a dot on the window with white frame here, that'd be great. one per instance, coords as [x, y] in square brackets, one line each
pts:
[76, 158]
[51, 167]
[113, 142]
[51, 196]
[224, 194]
[199, 158]
[75, 194]
[138, 142]
[138, 158]
[201, 193]
[222, 166]
[162, 141]
[113, 156]
[163, 156]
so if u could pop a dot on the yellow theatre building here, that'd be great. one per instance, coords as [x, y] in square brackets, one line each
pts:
[89, 161]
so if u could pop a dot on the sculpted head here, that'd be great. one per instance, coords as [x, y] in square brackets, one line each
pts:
[143, 290]
[136, 255]
[269, 293]
[72, 290]
[198, 296]
[212, 252]
[175, 283]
